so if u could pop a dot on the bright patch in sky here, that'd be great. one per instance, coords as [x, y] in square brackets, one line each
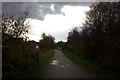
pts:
[58, 25]
[75, 15]
[52, 7]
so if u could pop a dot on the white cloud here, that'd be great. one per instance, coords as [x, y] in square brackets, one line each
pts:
[58, 25]
[75, 15]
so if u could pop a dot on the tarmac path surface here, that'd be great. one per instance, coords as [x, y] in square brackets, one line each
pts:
[60, 66]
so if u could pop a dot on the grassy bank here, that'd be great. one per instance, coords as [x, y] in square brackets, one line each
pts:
[35, 70]
[40, 68]
[44, 59]
[90, 66]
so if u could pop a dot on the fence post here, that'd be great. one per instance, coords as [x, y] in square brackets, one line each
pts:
[37, 58]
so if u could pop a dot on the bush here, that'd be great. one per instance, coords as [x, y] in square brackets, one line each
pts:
[17, 56]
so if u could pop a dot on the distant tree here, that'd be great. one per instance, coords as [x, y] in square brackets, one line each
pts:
[73, 36]
[61, 44]
[73, 40]
[47, 41]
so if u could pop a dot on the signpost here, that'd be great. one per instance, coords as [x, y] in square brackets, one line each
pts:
[37, 53]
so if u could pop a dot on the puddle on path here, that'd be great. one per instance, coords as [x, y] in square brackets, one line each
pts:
[58, 63]
[54, 62]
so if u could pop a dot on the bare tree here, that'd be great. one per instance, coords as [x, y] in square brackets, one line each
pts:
[15, 25]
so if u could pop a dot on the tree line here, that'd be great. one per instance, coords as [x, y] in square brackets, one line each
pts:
[99, 39]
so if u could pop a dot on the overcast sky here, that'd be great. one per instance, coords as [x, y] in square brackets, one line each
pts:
[56, 18]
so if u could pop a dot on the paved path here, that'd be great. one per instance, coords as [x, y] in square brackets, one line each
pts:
[61, 66]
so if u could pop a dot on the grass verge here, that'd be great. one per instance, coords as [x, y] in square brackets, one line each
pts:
[39, 70]
[91, 66]
[35, 70]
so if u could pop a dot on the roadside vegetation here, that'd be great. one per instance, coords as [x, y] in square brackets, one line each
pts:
[98, 40]
[40, 68]
[19, 61]
[91, 66]
[16, 55]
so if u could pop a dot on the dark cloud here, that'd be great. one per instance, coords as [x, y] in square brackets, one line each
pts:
[38, 10]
